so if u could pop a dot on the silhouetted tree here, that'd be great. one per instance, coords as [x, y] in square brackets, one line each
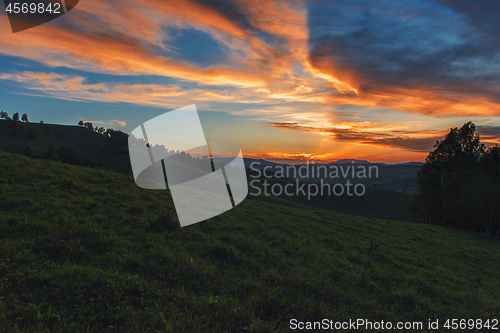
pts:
[80, 123]
[89, 125]
[4, 115]
[119, 138]
[42, 122]
[25, 118]
[15, 116]
[451, 182]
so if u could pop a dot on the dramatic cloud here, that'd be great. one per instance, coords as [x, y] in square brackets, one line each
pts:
[412, 56]
[354, 72]
[108, 123]
[122, 37]
[416, 141]
[489, 134]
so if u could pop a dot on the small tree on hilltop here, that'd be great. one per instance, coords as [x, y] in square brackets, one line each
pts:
[80, 123]
[25, 118]
[89, 125]
[15, 116]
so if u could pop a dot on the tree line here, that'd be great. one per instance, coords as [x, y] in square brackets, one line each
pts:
[16, 117]
[119, 138]
[180, 156]
[459, 184]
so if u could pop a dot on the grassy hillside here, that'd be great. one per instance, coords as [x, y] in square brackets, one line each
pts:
[86, 250]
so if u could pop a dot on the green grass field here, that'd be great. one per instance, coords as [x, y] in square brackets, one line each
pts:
[86, 250]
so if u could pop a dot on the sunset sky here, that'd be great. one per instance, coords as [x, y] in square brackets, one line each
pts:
[324, 80]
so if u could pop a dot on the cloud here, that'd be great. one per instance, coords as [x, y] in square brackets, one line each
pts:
[110, 38]
[77, 88]
[386, 135]
[483, 17]
[489, 134]
[416, 141]
[108, 123]
[428, 63]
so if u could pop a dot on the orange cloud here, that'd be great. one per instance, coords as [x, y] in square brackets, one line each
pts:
[108, 123]
[349, 86]
[75, 88]
[373, 135]
[114, 37]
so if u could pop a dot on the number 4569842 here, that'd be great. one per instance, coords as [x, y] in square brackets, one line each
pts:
[33, 8]
[471, 324]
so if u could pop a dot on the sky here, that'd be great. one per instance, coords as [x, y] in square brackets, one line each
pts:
[324, 80]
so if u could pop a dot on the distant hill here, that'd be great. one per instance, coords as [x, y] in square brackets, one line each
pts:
[258, 163]
[86, 141]
[83, 140]
[350, 161]
[411, 163]
[395, 177]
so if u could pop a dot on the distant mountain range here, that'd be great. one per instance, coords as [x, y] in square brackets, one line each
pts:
[412, 163]
[263, 162]
[350, 161]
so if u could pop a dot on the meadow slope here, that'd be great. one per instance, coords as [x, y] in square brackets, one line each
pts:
[83, 249]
